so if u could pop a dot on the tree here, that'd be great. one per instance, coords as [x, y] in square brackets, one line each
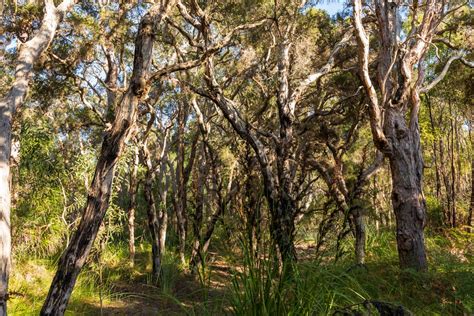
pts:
[400, 77]
[28, 55]
[275, 149]
[120, 131]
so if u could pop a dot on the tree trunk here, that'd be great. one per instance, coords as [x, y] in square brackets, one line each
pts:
[180, 200]
[28, 54]
[133, 188]
[375, 205]
[470, 224]
[153, 223]
[282, 227]
[163, 213]
[447, 187]
[360, 234]
[406, 165]
[453, 168]
[435, 150]
[198, 213]
[74, 257]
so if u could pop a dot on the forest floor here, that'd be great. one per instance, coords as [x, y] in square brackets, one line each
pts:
[112, 287]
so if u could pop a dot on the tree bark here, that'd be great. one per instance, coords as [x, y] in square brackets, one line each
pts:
[406, 165]
[74, 257]
[435, 150]
[132, 191]
[400, 84]
[453, 168]
[180, 199]
[28, 54]
[198, 212]
[153, 221]
[470, 218]
[470, 224]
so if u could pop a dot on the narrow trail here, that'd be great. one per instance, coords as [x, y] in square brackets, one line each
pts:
[187, 295]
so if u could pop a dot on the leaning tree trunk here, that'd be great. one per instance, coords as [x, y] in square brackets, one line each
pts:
[28, 54]
[74, 257]
[406, 165]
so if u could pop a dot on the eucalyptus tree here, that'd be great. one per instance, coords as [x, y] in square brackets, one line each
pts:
[394, 108]
[28, 54]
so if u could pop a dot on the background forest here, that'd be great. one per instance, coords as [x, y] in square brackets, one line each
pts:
[249, 157]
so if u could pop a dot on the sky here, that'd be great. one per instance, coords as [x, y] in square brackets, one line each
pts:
[331, 6]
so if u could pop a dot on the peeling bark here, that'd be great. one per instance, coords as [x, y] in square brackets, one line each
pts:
[74, 257]
[395, 136]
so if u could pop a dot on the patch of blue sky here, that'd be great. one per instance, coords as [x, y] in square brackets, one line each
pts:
[332, 7]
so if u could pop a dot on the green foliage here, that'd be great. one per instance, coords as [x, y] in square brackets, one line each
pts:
[434, 211]
[41, 200]
[322, 289]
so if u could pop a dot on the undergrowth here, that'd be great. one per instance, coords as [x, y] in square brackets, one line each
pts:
[110, 283]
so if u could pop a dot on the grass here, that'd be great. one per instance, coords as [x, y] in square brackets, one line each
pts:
[247, 286]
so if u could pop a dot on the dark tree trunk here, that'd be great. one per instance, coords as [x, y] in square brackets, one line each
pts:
[406, 165]
[447, 186]
[282, 227]
[81, 243]
[198, 213]
[252, 202]
[453, 168]
[74, 257]
[153, 224]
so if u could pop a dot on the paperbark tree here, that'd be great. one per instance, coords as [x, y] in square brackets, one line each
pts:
[28, 55]
[180, 199]
[470, 217]
[470, 224]
[347, 199]
[201, 242]
[157, 214]
[182, 177]
[74, 257]
[394, 110]
[275, 151]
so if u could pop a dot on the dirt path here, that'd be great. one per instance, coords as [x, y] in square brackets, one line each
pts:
[188, 295]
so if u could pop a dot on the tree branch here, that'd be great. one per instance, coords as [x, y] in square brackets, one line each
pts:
[363, 51]
[442, 74]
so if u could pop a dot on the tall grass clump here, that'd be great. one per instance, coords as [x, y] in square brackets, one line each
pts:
[259, 288]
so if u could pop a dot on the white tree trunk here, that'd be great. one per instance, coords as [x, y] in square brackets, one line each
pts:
[28, 53]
